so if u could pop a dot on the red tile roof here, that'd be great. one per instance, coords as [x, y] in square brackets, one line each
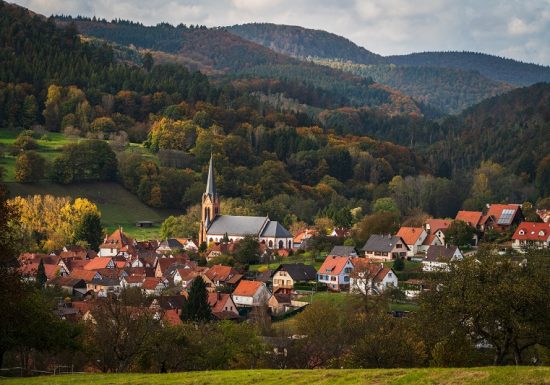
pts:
[495, 211]
[429, 239]
[473, 218]
[150, 283]
[86, 275]
[247, 288]
[30, 270]
[377, 271]
[98, 263]
[217, 301]
[532, 231]
[171, 317]
[333, 265]
[220, 273]
[438, 224]
[410, 234]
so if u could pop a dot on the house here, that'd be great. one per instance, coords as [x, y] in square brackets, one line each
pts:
[168, 302]
[117, 243]
[103, 286]
[86, 275]
[165, 264]
[221, 275]
[335, 272]
[430, 240]
[188, 244]
[531, 235]
[29, 271]
[343, 251]
[71, 286]
[385, 247]
[153, 286]
[100, 263]
[413, 238]
[437, 227]
[171, 318]
[169, 245]
[472, 218]
[214, 227]
[501, 217]
[184, 277]
[371, 277]
[300, 239]
[251, 293]
[217, 249]
[132, 281]
[288, 274]
[439, 257]
[280, 303]
[223, 307]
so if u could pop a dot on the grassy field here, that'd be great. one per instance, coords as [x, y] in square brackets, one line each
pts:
[303, 258]
[429, 376]
[118, 206]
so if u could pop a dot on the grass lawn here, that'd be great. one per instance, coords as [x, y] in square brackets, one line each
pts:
[118, 206]
[334, 298]
[425, 376]
[404, 307]
[307, 260]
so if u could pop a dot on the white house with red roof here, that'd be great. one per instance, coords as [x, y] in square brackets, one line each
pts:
[413, 238]
[500, 217]
[531, 235]
[117, 243]
[335, 272]
[437, 227]
[251, 293]
[372, 277]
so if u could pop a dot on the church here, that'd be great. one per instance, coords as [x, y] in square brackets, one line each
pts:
[214, 226]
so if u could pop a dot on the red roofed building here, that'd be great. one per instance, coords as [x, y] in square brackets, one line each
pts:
[153, 286]
[335, 272]
[100, 263]
[437, 227]
[413, 238]
[86, 275]
[171, 317]
[117, 243]
[220, 274]
[531, 235]
[373, 277]
[251, 293]
[223, 306]
[29, 271]
[472, 218]
[501, 217]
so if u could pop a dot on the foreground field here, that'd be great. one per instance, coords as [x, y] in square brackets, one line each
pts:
[118, 206]
[490, 375]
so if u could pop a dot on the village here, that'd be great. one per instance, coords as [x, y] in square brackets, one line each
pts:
[286, 281]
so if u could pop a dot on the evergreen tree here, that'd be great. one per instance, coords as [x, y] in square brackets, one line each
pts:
[89, 230]
[41, 277]
[398, 264]
[197, 308]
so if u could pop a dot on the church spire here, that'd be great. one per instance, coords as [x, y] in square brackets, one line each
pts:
[210, 183]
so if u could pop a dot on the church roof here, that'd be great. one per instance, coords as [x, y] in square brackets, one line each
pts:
[210, 182]
[276, 230]
[236, 225]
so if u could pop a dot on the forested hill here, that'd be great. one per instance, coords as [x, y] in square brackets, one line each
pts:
[512, 129]
[302, 42]
[214, 50]
[493, 67]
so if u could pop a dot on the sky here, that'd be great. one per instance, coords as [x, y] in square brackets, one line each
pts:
[518, 29]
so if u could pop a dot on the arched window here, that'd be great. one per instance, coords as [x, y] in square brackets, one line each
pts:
[210, 240]
[289, 244]
[270, 244]
[281, 244]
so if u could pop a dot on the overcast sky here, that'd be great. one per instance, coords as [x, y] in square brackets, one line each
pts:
[519, 29]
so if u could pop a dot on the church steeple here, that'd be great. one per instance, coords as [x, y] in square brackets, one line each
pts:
[210, 203]
[210, 182]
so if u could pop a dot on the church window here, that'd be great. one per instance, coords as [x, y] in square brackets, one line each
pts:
[281, 244]
[270, 243]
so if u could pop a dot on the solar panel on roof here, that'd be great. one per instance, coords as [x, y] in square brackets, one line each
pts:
[506, 217]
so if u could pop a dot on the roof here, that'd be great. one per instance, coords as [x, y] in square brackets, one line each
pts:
[376, 271]
[247, 288]
[31, 269]
[333, 265]
[168, 302]
[210, 181]
[98, 263]
[217, 301]
[429, 239]
[66, 281]
[86, 275]
[532, 231]
[438, 253]
[134, 278]
[304, 234]
[117, 240]
[299, 271]
[220, 273]
[236, 225]
[438, 224]
[473, 218]
[187, 274]
[504, 214]
[341, 232]
[171, 243]
[382, 243]
[410, 235]
[105, 282]
[276, 230]
[151, 283]
[343, 251]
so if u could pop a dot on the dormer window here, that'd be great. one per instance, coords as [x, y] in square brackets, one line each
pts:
[541, 233]
[522, 232]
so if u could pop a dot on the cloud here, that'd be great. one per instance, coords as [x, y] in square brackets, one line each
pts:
[514, 28]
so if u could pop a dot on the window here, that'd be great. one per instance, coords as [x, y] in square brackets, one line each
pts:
[398, 246]
[333, 278]
[281, 244]
[270, 244]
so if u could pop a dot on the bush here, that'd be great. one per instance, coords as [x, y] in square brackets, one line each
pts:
[29, 167]
[25, 142]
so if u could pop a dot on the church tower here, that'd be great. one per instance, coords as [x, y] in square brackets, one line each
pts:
[210, 204]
